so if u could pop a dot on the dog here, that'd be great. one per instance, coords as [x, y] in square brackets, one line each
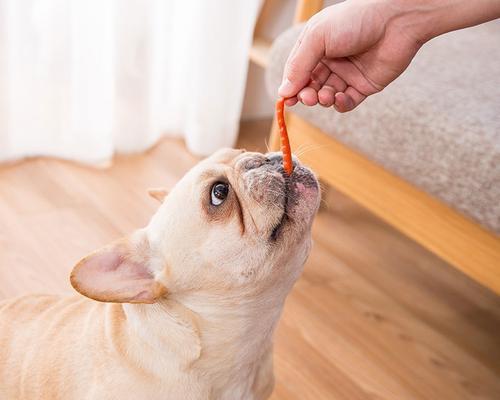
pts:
[182, 309]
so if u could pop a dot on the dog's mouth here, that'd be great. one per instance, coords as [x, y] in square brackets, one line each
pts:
[300, 202]
[290, 200]
[278, 228]
[276, 232]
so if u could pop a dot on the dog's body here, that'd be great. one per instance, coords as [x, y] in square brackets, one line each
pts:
[90, 350]
[187, 305]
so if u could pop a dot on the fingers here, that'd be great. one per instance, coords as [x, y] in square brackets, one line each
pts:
[311, 79]
[291, 101]
[309, 95]
[352, 75]
[319, 76]
[326, 96]
[348, 100]
[308, 51]
[343, 100]
[334, 84]
[334, 91]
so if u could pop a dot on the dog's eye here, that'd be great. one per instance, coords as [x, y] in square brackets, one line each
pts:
[219, 193]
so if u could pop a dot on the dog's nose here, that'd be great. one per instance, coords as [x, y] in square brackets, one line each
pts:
[274, 158]
[277, 159]
[254, 162]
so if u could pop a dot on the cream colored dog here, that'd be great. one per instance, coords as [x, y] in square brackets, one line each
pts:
[186, 307]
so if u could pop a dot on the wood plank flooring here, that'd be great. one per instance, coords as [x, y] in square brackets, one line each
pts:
[374, 316]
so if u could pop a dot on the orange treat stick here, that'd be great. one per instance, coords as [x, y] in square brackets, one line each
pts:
[285, 143]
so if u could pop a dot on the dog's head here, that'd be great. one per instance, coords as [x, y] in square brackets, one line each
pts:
[235, 221]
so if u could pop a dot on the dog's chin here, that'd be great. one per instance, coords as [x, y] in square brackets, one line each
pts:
[302, 198]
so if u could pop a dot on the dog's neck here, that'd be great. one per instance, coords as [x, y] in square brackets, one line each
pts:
[217, 333]
[239, 326]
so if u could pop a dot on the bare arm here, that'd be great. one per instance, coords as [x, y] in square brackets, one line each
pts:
[354, 49]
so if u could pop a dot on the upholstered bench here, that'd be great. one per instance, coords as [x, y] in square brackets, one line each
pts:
[429, 144]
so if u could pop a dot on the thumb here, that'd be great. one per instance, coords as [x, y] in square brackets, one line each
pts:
[305, 55]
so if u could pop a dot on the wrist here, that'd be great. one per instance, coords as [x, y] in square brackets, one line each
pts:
[425, 19]
[417, 20]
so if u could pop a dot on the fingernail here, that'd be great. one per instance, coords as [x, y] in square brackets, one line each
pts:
[285, 88]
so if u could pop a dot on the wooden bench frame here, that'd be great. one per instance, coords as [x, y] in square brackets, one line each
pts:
[455, 238]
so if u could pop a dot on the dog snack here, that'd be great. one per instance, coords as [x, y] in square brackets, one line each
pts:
[285, 143]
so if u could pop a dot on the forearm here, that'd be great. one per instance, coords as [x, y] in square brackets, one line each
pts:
[426, 19]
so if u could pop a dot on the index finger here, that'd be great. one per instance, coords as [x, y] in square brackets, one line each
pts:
[305, 55]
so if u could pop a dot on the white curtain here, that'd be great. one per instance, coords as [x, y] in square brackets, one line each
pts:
[82, 79]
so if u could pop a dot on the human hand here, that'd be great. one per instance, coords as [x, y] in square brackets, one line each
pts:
[347, 52]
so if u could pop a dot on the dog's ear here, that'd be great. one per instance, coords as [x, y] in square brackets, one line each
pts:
[119, 273]
[158, 193]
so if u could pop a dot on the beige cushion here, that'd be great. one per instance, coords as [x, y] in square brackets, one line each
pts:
[437, 126]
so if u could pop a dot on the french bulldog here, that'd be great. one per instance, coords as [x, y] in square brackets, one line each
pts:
[182, 309]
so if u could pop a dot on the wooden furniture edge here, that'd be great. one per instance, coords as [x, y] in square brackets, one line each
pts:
[305, 9]
[453, 237]
[259, 51]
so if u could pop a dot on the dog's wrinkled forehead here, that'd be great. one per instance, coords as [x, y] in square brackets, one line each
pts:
[243, 167]
[251, 196]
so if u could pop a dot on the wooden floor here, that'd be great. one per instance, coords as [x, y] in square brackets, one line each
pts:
[374, 316]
